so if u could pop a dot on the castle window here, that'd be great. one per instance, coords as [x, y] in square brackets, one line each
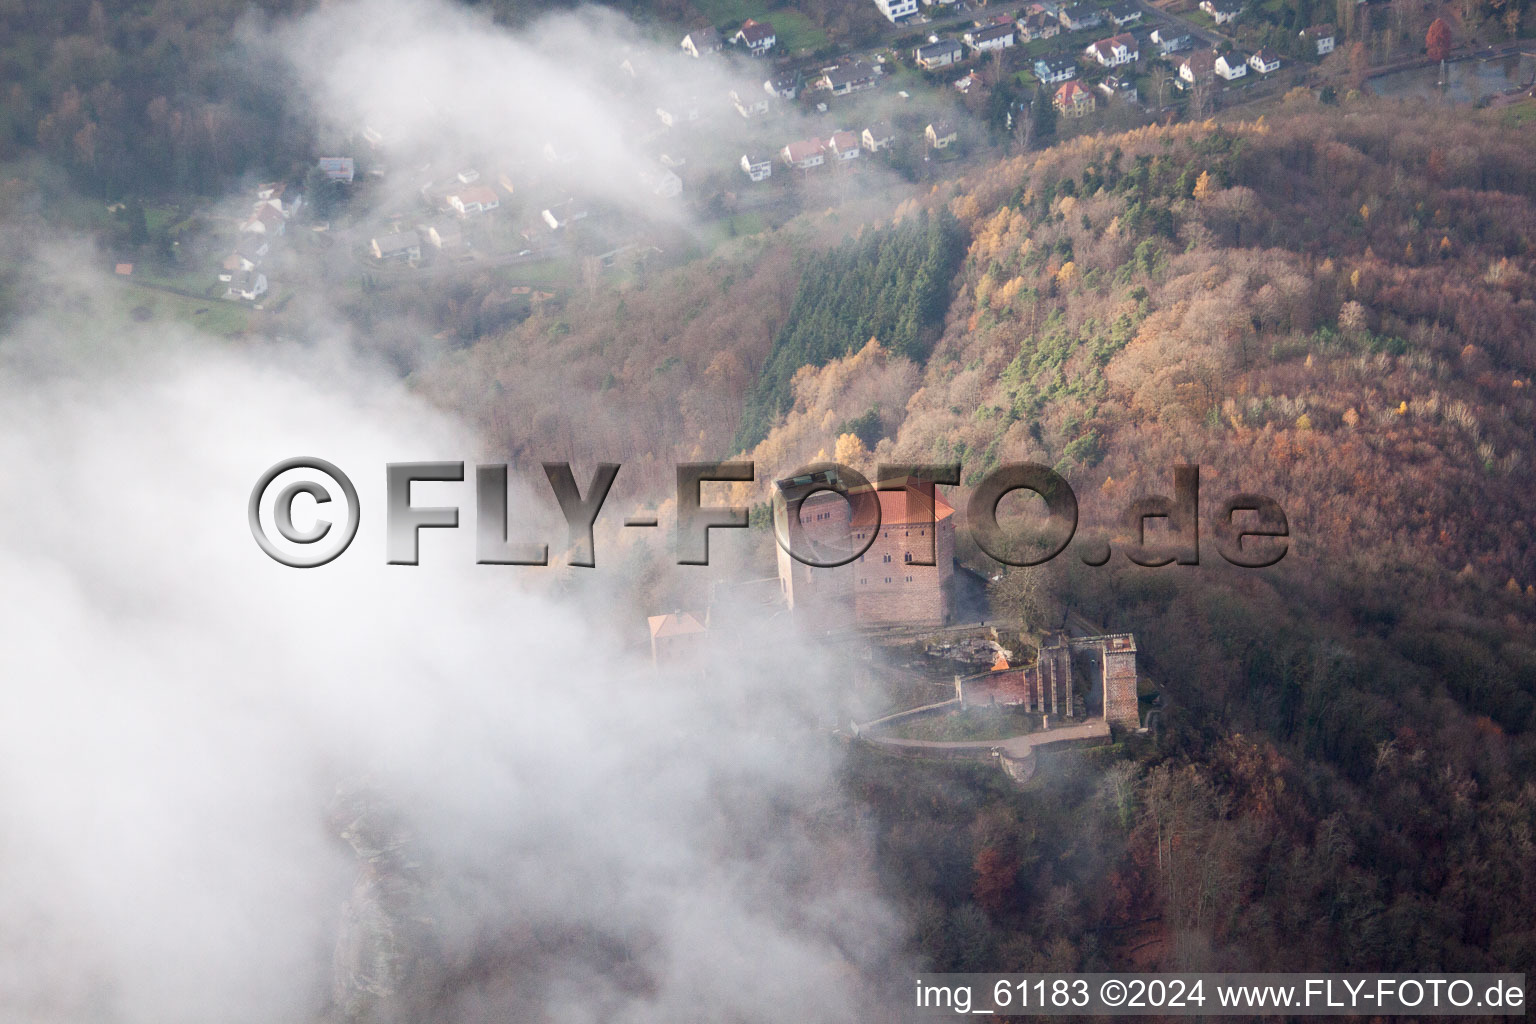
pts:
[863, 581]
[909, 579]
[887, 579]
[885, 558]
[909, 556]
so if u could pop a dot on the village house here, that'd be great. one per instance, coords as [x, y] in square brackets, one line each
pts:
[445, 234]
[264, 220]
[844, 146]
[474, 200]
[878, 136]
[785, 86]
[1321, 37]
[990, 38]
[1051, 70]
[249, 285]
[1079, 17]
[676, 639]
[755, 168]
[1038, 25]
[750, 103]
[1115, 51]
[1231, 65]
[680, 111]
[1073, 99]
[562, 215]
[1121, 88]
[701, 42]
[850, 77]
[938, 54]
[248, 255]
[895, 10]
[757, 36]
[1265, 61]
[941, 134]
[1221, 11]
[804, 155]
[1124, 14]
[1170, 40]
[404, 245]
[1198, 67]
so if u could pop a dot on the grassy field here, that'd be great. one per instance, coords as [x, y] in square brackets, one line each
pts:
[142, 304]
[1516, 115]
[795, 31]
[969, 724]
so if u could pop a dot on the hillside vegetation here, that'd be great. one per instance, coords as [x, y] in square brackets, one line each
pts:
[1331, 307]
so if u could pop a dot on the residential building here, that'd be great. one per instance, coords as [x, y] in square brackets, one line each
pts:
[1320, 36]
[1221, 11]
[1073, 99]
[564, 214]
[249, 285]
[701, 42]
[264, 220]
[1198, 67]
[941, 134]
[939, 54]
[756, 168]
[404, 245]
[804, 155]
[1124, 14]
[1051, 70]
[677, 640]
[757, 36]
[844, 146]
[680, 111]
[1232, 65]
[1115, 51]
[1079, 17]
[444, 234]
[853, 76]
[1038, 25]
[750, 103]
[895, 10]
[878, 136]
[1170, 40]
[474, 200]
[1119, 87]
[785, 86]
[1265, 61]
[990, 38]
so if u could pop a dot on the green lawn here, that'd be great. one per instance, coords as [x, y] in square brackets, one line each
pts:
[726, 228]
[977, 723]
[214, 316]
[795, 31]
[1517, 114]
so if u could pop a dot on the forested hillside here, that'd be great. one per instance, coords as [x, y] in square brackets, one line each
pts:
[1331, 307]
[892, 284]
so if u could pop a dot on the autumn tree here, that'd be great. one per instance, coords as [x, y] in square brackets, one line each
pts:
[1437, 41]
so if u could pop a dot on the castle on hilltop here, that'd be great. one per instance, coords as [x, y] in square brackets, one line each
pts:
[889, 584]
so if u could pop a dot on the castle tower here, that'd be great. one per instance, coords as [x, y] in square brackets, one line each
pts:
[819, 593]
[1121, 708]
